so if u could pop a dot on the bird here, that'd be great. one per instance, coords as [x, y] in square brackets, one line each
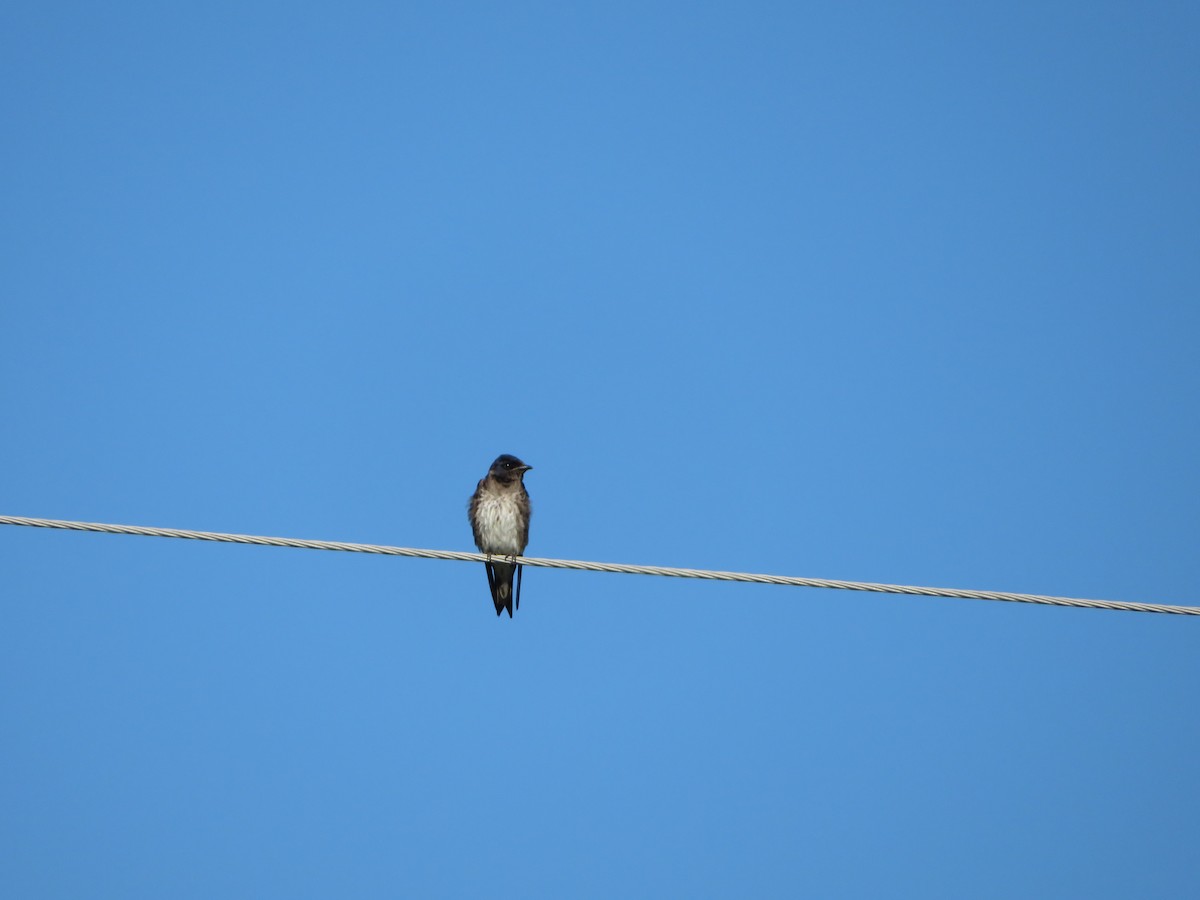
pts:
[499, 512]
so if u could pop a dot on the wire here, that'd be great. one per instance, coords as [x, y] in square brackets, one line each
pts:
[601, 567]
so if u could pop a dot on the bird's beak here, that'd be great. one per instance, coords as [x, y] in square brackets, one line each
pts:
[526, 468]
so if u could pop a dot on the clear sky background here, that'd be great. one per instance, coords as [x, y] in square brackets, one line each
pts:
[868, 291]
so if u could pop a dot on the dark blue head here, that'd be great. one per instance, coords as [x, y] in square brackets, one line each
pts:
[508, 468]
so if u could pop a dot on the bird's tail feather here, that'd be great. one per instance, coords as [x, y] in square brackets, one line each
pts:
[500, 580]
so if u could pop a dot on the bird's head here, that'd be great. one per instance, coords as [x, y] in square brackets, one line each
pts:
[507, 469]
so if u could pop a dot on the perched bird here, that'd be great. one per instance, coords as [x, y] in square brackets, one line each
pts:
[499, 514]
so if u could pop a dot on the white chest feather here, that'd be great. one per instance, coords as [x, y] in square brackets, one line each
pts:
[499, 524]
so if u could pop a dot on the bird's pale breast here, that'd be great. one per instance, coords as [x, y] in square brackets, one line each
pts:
[499, 526]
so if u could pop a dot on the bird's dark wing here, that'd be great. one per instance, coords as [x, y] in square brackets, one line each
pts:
[472, 508]
[526, 510]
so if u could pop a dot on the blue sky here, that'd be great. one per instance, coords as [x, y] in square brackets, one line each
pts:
[861, 291]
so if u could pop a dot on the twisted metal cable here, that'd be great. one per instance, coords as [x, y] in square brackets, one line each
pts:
[579, 565]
